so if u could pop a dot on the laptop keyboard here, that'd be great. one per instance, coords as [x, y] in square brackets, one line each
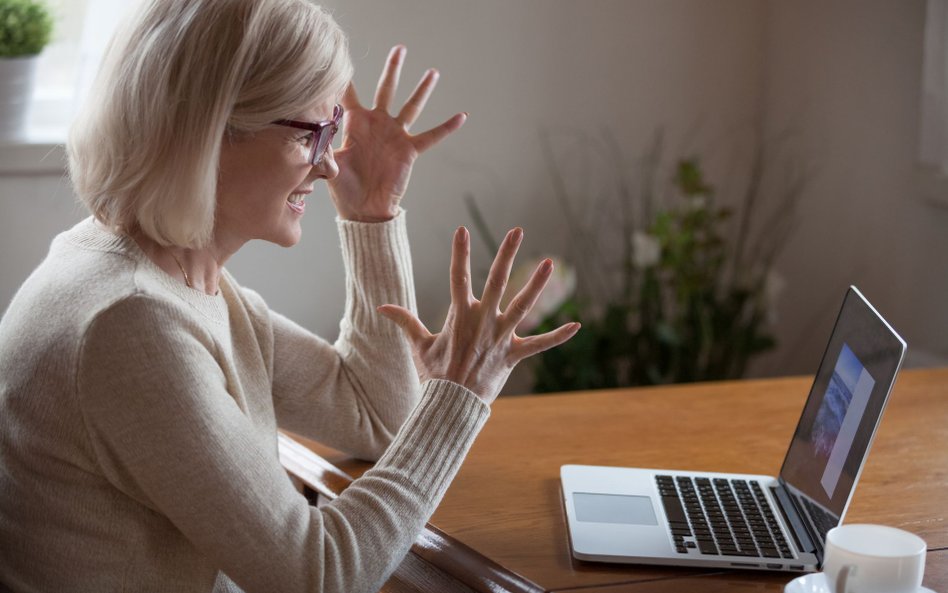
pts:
[820, 518]
[721, 517]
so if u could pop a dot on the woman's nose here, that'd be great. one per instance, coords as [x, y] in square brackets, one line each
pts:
[327, 166]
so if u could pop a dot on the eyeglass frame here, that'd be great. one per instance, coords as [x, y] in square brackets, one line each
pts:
[320, 129]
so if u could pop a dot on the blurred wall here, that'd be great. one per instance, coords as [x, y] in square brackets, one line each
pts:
[846, 76]
[843, 75]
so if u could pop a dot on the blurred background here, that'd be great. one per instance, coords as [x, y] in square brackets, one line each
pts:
[589, 104]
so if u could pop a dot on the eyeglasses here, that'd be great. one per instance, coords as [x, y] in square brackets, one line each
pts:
[323, 132]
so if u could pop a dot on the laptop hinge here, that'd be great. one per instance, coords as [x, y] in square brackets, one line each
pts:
[791, 515]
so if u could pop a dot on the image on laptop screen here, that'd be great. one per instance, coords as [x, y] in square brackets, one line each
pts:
[837, 420]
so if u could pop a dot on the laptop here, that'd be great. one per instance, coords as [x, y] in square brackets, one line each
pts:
[725, 520]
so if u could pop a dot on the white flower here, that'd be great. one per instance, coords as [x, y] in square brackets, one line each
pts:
[698, 202]
[560, 287]
[646, 251]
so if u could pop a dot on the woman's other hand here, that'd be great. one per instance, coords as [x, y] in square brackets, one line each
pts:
[477, 346]
[378, 152]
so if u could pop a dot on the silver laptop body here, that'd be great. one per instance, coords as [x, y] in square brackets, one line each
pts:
[713, 519]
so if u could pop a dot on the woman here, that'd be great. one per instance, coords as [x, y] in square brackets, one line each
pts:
[141, 386]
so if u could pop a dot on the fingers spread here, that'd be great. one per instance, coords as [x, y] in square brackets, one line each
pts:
[416, 103]
[461, 268]
[521, 304]
[388, 82]
[500, 269]
[426, 140]
[536, 344]
[411, 325]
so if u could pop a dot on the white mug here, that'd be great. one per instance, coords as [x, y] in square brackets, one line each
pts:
[873, 559]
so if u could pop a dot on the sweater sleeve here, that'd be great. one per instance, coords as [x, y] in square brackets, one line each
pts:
[167, 434]
[355, 394]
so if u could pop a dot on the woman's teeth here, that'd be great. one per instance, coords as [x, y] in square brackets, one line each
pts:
[295, 203]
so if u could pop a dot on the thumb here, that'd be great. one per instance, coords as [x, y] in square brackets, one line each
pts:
[414, 329]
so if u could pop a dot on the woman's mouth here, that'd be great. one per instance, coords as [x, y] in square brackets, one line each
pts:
[296, 203]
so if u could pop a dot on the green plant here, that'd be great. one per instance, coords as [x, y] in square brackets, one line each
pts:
[684, 294]
[25, 28]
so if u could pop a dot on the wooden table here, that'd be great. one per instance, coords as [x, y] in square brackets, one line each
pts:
[502, 526]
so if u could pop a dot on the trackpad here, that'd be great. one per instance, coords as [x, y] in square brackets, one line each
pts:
[614, 508]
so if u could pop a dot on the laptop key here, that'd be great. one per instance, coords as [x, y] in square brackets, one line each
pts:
[707, 548]
[673, 509]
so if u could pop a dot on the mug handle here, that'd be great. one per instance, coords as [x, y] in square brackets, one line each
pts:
[843, 576]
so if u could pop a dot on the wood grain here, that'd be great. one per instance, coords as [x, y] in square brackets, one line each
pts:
[506, 502]
[936, 575]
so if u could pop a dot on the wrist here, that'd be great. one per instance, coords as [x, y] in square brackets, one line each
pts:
[371, 216]
[366, 218]
[367, 208]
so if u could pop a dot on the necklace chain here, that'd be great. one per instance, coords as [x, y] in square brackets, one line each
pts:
[187, 279]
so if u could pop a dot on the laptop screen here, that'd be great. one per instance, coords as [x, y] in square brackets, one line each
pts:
[844, 407]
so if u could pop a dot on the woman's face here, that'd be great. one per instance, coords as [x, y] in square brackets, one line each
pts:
[263, 178]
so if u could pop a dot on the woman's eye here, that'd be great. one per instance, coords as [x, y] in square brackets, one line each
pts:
[306, 139]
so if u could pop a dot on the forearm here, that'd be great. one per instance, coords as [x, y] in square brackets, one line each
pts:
[376, 356]
[356, 394]
[413, 475]
[351, 544]
[378, 268]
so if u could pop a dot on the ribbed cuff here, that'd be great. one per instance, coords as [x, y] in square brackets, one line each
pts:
[434, 440]
[378, 270]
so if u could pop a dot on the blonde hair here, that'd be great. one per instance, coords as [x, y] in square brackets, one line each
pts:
[177, 78]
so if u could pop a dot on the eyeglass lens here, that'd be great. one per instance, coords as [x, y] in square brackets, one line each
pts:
[325, 136]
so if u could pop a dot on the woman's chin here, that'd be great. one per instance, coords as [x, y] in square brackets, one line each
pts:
[289, 239]
[287, 236]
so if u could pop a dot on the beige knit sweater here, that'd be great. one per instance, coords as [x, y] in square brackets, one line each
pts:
[138, 426]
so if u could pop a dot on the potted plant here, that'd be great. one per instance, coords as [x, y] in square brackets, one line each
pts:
[25, 27]
[672, 283]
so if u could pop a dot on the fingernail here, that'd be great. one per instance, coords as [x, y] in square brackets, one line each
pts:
[576, 327]
[459, 235]
[546, 266]
[518, 234]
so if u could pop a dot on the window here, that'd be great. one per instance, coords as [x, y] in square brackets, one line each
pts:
[69, 63]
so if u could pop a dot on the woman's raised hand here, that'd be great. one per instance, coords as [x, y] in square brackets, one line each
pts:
[377, 152]
[477, 347]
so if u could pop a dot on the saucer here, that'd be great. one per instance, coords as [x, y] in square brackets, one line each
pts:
[817, 583]
[809, 583]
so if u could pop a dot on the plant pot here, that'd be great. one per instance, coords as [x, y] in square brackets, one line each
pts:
[16, 89]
